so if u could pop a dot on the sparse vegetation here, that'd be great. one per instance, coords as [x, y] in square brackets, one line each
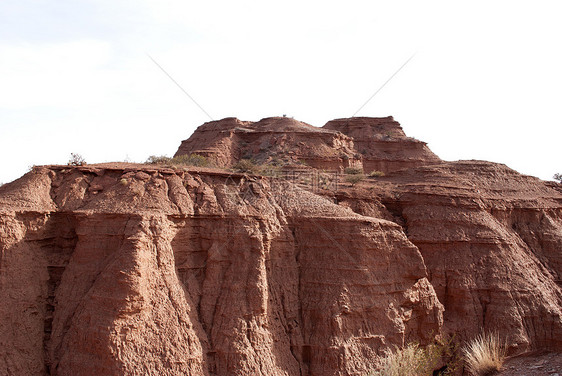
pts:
[192, 160]
[247, 166]
[409, 361]
[186, 159]
[76, 160]
[485, 354]
[158, 159]
[354, 179]
[376, 174]
[124, 182]
[442, 356]
[558, 177]
[353, 170]
[269, 170]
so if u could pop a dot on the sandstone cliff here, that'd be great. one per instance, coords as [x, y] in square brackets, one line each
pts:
[128, 269]
[491, 240]
[134, 270]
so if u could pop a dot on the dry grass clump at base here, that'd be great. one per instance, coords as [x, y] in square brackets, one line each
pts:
[442, 357]
[409, 361]
[485, 354]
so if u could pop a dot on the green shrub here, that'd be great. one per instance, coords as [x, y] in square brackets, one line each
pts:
[354, 179]
[376, 174]
[353, 170]
[485, 354]
[558, 177]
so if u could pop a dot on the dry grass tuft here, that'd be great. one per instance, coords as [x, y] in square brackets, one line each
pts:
[376, 174]
[411, 360]
[442, 357]
[485, 354]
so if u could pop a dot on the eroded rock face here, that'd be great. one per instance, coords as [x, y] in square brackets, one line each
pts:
[491, 240]
[277, 140]
[135, 271]
[383, 144]
[370, 143]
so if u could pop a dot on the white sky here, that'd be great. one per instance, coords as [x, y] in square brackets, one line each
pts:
[485, 81]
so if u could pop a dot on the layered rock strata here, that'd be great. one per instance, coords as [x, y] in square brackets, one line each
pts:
[491, 240]
[136, 270]
[277, 140]
[382, 143]
[374, 144]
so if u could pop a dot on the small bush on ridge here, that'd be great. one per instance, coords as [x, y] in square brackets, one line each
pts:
[558, 177]
[76, 160]
[186, 159]
[192, 160]
[158, 159]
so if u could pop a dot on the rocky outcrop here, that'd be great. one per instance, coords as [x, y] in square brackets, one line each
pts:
[374, 144]
[276, 140]
[491, 240]
[137, 270]
[383, 144]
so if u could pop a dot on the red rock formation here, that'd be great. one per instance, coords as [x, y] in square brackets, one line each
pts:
[491, 240]
[383, 144]
[277, 140]
[138, 270]
[375, 144]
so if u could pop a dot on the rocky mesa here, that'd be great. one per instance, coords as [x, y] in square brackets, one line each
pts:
[137, 269]
[368, 143]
